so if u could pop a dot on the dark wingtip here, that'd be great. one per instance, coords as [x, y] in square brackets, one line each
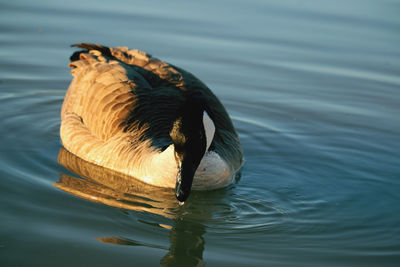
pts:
[75, 55]
[105, 50]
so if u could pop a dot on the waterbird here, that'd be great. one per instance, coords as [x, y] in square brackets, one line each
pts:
[130, 112]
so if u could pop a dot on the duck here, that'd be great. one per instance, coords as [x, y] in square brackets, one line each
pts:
[130, 112]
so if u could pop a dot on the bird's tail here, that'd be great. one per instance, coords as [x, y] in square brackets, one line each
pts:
[124, 54]
[104, 50]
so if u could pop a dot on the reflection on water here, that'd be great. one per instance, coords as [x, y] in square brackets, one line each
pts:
[112, 188]
[108, 187]
[186, 244]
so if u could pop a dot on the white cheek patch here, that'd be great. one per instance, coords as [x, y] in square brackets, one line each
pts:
[209, 128]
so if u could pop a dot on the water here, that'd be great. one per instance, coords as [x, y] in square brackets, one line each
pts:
[313, 90]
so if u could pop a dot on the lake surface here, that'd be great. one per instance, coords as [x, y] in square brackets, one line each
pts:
[313, 88]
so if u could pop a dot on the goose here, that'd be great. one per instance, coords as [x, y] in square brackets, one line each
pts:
[137, 115]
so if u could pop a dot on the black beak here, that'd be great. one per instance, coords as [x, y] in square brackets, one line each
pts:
[184, 180]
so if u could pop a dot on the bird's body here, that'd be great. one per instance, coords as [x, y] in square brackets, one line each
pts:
[128, 112]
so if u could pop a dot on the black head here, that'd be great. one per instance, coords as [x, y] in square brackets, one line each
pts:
[189, 136]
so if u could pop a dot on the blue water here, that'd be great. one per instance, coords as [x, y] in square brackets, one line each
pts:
[312, 88]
